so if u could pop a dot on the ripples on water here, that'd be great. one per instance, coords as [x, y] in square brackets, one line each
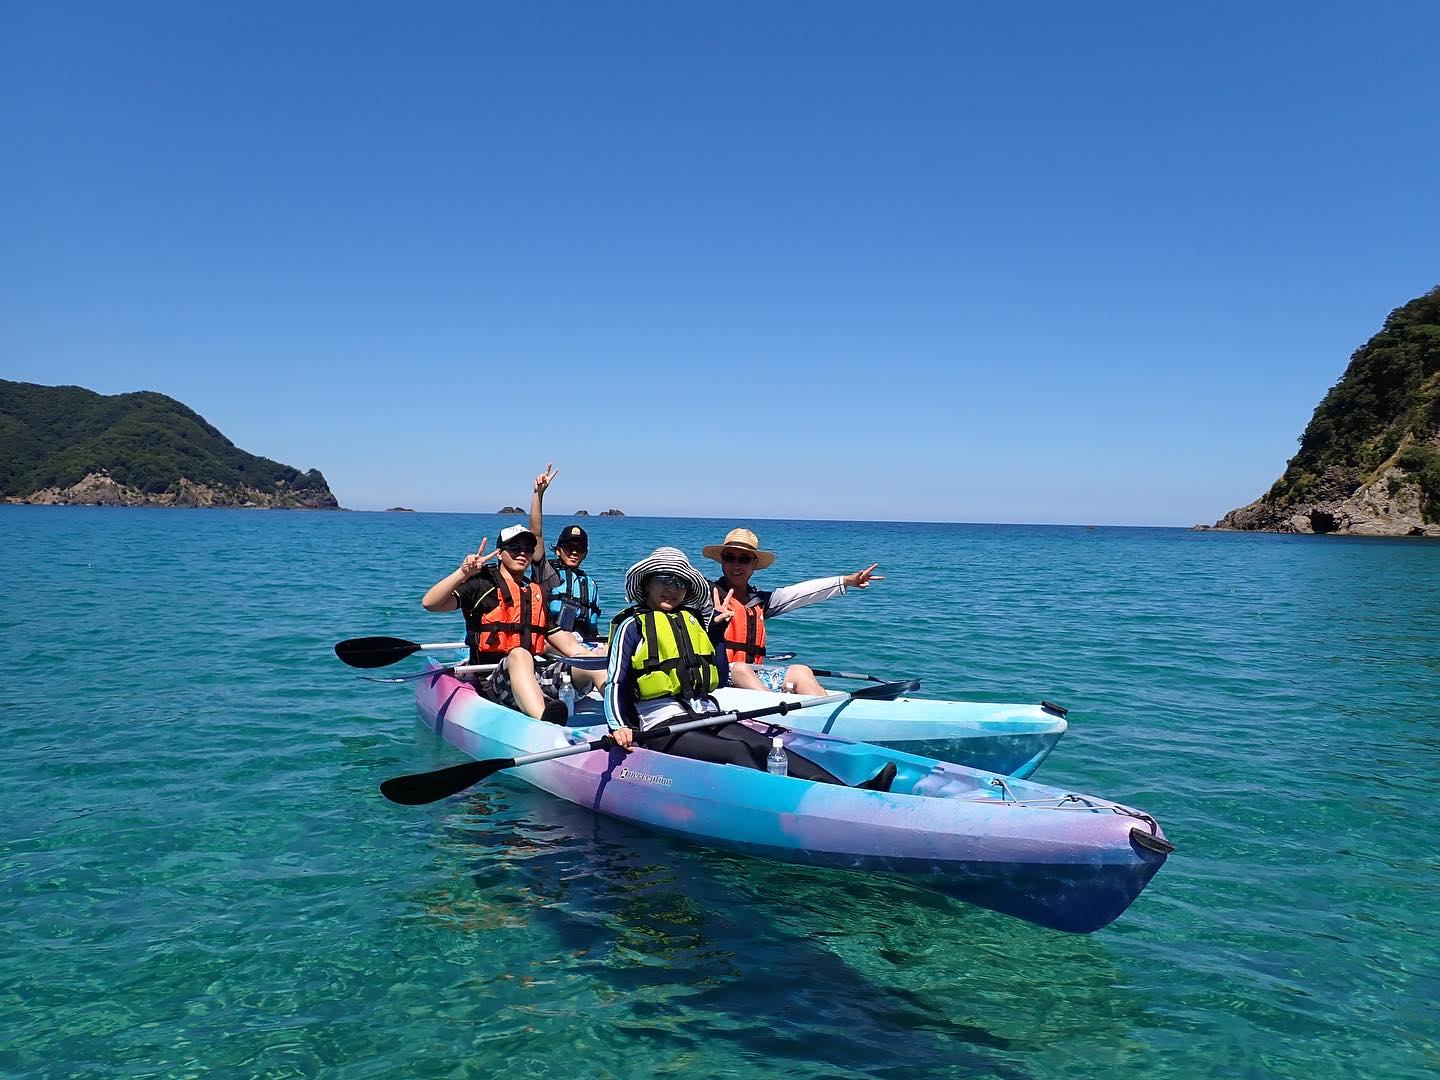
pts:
[199, 874]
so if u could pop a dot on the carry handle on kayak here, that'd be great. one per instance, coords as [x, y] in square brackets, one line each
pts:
[417, 789]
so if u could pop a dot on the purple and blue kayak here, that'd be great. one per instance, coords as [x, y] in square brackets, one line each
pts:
[1066, 861]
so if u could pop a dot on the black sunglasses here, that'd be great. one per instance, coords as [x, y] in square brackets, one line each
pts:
[737, 557]
[674, 581]
[516, 550]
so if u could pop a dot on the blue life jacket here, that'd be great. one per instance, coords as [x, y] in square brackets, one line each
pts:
[575, 602]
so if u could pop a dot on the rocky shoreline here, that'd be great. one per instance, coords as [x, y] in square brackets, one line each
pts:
[99, 489]
[1388, 505]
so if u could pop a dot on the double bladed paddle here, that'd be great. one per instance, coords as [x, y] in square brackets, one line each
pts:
[417, 789]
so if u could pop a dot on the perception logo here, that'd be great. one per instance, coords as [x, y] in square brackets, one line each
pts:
[644, 778]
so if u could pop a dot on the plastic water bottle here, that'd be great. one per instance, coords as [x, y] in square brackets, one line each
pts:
[567, 692]
[777, 763]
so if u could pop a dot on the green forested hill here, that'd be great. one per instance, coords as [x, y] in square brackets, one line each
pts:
[1387, 401]
[54, 436]
[1369, 460]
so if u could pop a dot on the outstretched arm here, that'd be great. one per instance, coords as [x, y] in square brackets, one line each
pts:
[789, 597]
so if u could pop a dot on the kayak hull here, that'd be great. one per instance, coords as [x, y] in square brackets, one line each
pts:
[1067, 862]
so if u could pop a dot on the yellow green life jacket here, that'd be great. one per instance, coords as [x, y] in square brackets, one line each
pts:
[675, 657]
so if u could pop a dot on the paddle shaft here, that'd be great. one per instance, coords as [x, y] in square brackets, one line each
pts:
[660, 731]
[821, 672]
[455, 669]
[418, 789]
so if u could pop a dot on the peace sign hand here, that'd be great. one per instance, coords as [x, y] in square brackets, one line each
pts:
[544, 480]
[471, 564]
[723, 611]
[861, 578]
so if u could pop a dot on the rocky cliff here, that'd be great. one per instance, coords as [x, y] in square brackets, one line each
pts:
[1369, 460]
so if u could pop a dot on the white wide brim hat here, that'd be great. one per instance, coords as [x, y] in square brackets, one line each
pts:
[672, 560]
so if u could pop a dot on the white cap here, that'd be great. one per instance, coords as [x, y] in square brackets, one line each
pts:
[513, 532]
[777, 743]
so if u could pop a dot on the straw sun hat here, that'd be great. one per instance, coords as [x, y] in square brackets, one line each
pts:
[672, 560]
[741, 540]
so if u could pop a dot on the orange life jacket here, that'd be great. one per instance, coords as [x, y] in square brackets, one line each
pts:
[745, 633]
[508, 621]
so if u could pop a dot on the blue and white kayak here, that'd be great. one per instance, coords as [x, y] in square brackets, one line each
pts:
[1009, 739]
[1052, 857]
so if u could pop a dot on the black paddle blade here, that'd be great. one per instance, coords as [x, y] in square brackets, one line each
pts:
[373, 652]
[886, 691]
[417, 789]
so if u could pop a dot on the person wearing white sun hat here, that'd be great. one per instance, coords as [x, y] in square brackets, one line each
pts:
[743, 630]
[663, 665]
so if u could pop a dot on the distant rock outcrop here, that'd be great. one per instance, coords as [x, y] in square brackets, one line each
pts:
[100, 489]
[612, 513]
[581, 513]
[1369, 460]
[510, 510]
[65, 445]
[398, 510]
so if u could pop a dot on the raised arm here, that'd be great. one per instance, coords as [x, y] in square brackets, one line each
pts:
[441, 595]
[537, 511]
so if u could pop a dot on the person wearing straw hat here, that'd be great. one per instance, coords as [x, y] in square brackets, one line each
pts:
[663, 665]
[742, 631]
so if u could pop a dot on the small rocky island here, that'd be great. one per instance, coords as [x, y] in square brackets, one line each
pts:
[581, 513]
[612, 513]
[510, 510]
[398, 510]
[69, 446]
[1369, 460]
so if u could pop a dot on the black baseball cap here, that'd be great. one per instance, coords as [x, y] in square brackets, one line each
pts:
[573, 536]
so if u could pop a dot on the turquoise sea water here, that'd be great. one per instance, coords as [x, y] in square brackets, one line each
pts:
[198, 874]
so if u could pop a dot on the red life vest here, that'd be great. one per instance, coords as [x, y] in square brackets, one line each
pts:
[745, 633]
[508, 621]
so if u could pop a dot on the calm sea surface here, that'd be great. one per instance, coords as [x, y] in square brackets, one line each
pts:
[197, 873]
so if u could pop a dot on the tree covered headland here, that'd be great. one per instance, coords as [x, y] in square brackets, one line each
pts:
[1385, 410]
[54, 436]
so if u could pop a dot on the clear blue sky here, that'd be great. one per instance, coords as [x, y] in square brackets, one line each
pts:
[1038, 262]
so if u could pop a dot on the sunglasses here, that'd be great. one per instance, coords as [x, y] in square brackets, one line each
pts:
[737, 557]
[668, 581]
[574, 549]
[515, 550]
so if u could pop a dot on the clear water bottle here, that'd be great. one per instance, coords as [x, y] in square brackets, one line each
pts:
[777, 763]
[567, 692]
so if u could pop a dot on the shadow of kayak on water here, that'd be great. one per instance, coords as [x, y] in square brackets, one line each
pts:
[696, 947]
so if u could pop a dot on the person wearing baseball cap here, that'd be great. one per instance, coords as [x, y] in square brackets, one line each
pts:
[742, 631]
[663, 664]
[506, 625]
[573, 599]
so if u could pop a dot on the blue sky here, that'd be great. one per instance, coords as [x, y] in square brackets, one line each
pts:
[1038, 262]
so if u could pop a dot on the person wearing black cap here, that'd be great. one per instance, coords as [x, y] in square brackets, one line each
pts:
[506, 625]
[573, 599]
[663, 665]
